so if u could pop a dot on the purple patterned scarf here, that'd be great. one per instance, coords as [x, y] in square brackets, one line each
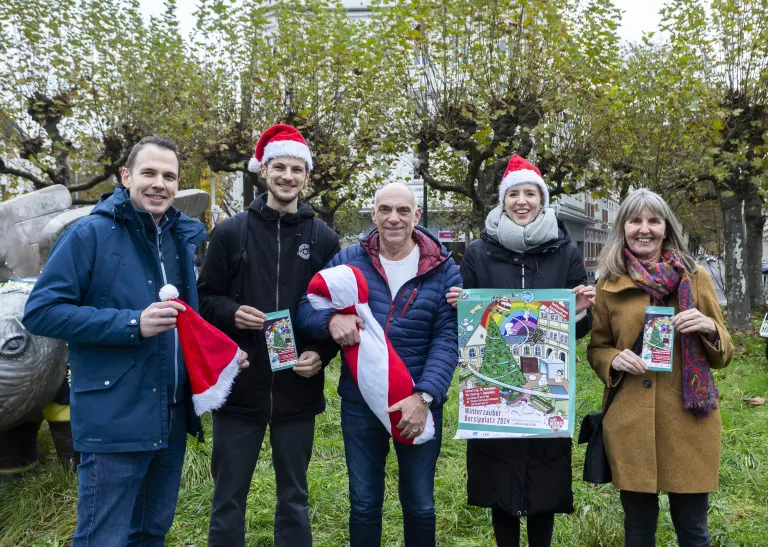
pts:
[661, 279]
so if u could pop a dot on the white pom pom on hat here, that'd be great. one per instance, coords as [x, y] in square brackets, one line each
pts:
[168, 292]
[210, 356]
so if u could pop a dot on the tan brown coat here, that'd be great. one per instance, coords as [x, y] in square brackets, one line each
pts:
[653, 444]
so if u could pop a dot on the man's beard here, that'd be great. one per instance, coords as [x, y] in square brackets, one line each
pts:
[273, 190]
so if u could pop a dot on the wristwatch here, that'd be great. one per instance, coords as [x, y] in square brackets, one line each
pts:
[426, 397]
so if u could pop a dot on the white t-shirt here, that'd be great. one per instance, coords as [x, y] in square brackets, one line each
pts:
[399, 272]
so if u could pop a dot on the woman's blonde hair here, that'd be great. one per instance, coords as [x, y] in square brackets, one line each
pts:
[611, 261]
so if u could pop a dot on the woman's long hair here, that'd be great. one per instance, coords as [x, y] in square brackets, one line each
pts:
[611, 260]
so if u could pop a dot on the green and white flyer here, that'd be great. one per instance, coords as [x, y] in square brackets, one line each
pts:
[658, 338]
[280, 341]
[517, 355]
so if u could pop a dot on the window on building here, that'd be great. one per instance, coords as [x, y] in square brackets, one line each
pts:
[563, 338]
[516, 351]
[472, 353]
[482, 351]
[526, 350]
[537, 350]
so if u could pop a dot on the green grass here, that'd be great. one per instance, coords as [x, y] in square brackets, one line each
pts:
[39, 508]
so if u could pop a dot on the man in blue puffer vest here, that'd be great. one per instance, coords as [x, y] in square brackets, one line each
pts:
[408, 273]
[130, 400]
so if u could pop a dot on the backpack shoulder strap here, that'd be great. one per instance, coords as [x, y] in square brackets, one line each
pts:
[316, 250]
[240, 257]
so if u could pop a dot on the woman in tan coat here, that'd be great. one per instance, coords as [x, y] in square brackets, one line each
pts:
[662, 432]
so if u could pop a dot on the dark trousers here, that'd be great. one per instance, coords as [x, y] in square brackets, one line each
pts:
[366, 445]
[689, 515]
[236, 445]
[506, 527]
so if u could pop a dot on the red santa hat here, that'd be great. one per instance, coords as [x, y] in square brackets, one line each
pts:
[375, 366]
[210, 356]
[521, 171]
[277, 141]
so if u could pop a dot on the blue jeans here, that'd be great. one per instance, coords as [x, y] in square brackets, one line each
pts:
[366, 445]
[129, 498]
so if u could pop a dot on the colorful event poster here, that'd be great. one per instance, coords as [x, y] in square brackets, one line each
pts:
[517, 355]
[658, 338]
[280, 342]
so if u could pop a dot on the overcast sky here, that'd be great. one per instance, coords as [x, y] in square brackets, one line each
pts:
[639, 15]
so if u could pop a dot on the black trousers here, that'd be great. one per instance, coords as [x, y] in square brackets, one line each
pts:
[689, 516]
[236, 445]
[506, 527]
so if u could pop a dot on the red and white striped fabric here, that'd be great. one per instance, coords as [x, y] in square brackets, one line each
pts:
[377, 369]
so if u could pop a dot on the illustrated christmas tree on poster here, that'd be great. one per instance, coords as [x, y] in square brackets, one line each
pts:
[658, 338]
[278, 332]
[516, 363]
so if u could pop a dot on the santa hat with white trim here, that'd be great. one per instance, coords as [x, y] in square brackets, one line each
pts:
[278, 141]
[211, 358]
[521, 171]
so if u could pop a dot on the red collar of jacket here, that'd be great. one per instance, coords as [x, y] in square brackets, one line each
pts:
[430, 252]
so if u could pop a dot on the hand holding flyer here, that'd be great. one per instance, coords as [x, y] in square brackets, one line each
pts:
[281, 344]
[658, 338]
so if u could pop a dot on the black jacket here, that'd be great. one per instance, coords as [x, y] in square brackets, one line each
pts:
[273, 275]
[523, 476]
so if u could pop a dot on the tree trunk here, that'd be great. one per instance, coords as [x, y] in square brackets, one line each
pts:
[247, 192]
[327, 216]
[736, 289]
[486, 196]
[754, 222]
[251, 185]
[479, 213]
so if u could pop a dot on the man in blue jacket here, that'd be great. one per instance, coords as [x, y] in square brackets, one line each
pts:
[408, 272]
[130, 396]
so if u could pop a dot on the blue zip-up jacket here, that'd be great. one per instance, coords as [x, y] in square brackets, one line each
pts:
[101, 274]
[419, 322]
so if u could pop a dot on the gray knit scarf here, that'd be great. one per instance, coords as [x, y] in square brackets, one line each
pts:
[520, 239]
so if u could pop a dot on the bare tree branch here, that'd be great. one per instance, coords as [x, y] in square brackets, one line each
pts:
[437, 185]
[37, 182]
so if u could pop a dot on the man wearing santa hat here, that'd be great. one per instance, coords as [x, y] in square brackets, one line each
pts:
[406, 271]
[130, 400]
[258, 262]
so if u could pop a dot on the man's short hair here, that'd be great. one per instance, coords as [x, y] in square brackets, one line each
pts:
[160, 142]
[381, 188]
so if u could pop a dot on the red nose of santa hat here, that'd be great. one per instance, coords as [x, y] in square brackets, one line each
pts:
[521, 171]
[278, 141]
[210, 356]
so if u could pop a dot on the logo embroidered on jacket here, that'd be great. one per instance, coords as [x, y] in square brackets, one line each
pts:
[304, 251]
